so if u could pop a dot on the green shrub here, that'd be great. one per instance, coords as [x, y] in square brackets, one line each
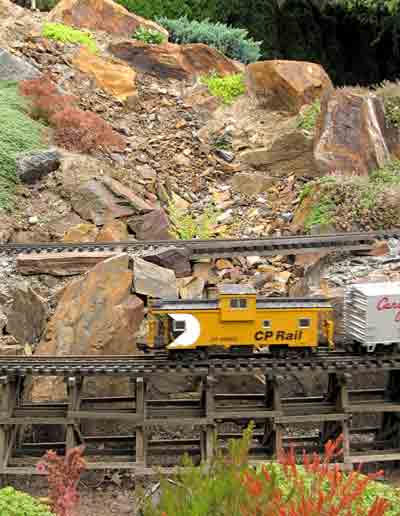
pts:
[186, 227]
[392, 110]
[149, 36]
[18, 133]
[227, 88]
[66, 34]
[321, 214]
[233, 42]
[151, 10]
[17, 503]
[307, 120]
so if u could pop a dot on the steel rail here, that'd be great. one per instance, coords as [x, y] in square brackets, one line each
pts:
[211, 248]
[136, 366]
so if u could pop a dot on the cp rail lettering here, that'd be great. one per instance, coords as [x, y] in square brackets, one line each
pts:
[279, 335]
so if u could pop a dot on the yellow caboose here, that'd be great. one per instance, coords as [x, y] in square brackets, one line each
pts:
[238, 319]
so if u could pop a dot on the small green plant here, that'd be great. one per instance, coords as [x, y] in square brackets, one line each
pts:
[18, 503]
[66, 34]
[187, 227]
[227, 88]
[392, 111]
[18, 133]
[232, 42]
[307, 120]
[321, 214]
[152, 37]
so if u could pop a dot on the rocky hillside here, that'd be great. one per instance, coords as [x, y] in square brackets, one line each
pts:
[107, 137]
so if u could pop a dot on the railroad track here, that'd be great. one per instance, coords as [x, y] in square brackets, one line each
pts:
[218, 248]
[147, 365]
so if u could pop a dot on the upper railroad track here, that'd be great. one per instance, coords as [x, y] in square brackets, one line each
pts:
[218, 248]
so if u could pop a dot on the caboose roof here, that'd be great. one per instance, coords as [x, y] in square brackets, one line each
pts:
[234, 290]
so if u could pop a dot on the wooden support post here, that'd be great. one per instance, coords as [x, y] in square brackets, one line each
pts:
[209, 433]
[5, 404]
[141, 431]
[337, 395]
[390, 426]
[74, 387]
[273, 402]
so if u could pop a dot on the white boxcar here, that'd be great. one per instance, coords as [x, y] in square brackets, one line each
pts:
[372, 314]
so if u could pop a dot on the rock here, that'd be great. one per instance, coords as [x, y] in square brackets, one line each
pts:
[115, 78]
[288, 151]
[287, 84]
[3, 321]
[204, 270]
[122, 191]
[350, 134]
[182, 62]
[174, 258]
[33, 220]
[94, 202]
[96, 315]
[60, 264]
[27, 316]
[223, 263]
[81, 233]
[192, 289]
[58, 226]
[34, 165]
[114, 231]
[182, 160]
[154, 281]
[226, 156]
[151, 226]
[101, 15]
[146, 172]
[76, 169]
[13, 68]
[380, 248]
[251, 183]
[200, 98]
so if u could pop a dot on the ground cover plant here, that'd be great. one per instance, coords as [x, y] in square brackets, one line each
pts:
[227, 88]
[18, 503]
[66, 34]
[229, 486]
[18, 133]
[307, 119]
[149, 36]
[185, 226]
[74, 129]
[232, 42]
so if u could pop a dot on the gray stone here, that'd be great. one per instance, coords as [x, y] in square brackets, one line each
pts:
[226, 156]
[174, 258]
[27, 316]
[33, 166]
[13, 68]
[3, 321]
[94, 202]
[154, 281]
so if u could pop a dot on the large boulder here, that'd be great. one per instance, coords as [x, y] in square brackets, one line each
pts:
[113, 231]
[350, 134]
[168, 60]
[174, 258]
[154, 281]
[14, 68]
[115, 78]
[81, 233]
[96, 315]
[287, 84]
[35, 165]
[151, 226]
[27, 315]
[101, 15]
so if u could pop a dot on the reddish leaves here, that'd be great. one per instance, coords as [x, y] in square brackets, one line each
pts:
[74, 129]
[63, 474]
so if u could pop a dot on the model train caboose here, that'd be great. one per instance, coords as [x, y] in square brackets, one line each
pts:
[238, 320]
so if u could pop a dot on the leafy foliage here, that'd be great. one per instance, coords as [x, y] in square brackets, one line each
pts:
[17, 503]
[65, 34]
[227, 88]
[233, 42]
[149, 36]
[18, 133]
[155, 8]
[187, 227]
[231, 487]
[307, 119]
[63, 475]
[74, 129]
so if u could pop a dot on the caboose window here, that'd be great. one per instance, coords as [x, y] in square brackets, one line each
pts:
[304, 323]
[266, 324]
[179, 325]
[239, 303]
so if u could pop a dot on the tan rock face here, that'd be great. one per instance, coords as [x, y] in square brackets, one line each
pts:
[96, 315]
[114, 231]
[151, 226]
[81, 233]
[115, 78]
[103, 15]
[251, 184]
[154, 281]
[350, 134]
[174, 61]
[287, 84]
